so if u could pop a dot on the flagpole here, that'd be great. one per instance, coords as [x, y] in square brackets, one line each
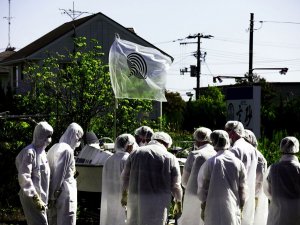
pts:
[115, 119]
[160, 109]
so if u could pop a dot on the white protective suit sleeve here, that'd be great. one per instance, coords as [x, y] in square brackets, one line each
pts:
[266, 186]
[24, 162]
[176, 181]
[187, 169]
[203, 181]
[125, 176]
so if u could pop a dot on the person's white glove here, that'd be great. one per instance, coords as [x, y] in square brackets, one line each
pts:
[177, 210]
[124, 199]
[39, 204]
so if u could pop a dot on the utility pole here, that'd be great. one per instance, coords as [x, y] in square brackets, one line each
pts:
[196, 71]
[251, 48]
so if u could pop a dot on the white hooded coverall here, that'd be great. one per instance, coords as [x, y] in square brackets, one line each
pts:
[34, 174]
[262, 204]
[112, 211]
[63, 186]
[282, 186]
[191, 202]
[222, 185]
[151, 175]
[248, 155]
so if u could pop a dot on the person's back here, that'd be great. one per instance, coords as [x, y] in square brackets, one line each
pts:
[261, 200]
[248, 155]
[151, 174]
[201, 141]
[111, 210]
[222, 184]
[191, 202]
[223, 195]
[282, 186]
[153, 165]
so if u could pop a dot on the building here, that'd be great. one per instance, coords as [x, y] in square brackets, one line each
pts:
[60, 40]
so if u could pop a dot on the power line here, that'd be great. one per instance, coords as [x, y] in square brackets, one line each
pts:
[272, 21]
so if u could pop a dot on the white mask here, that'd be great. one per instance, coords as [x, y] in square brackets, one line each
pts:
[48, 141]
[77, 144]
[142, 144]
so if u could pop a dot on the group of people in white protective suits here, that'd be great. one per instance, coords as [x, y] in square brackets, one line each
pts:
[225, 179]
[48, 188]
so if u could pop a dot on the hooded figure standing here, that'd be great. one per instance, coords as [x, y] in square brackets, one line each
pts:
[63, 186]
[195, 159]
[248, 155]
[261, 200]
[151, 176]
[282, 185]
[112, 211]
[222, 187]
[34, 175]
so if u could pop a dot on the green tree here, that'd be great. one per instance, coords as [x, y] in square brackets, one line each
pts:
[76, 87]
[62, 89]
[173, 111]
[208, 111]
[270, 108]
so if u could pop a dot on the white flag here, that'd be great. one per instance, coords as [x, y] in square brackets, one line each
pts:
[137, 72]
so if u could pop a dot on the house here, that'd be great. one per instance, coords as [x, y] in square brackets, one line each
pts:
[5, 79]
[60, 40]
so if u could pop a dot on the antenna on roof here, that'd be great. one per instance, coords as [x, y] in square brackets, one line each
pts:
[8, 18]
[73, 13]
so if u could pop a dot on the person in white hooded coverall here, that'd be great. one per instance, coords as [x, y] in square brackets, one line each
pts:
[151, 176]
[195, 159]
[248, 155]
[222, 184]
[282, 185]
[112, 212]
[261, 200]
[34, 175]
[63, 185]
[143, 135]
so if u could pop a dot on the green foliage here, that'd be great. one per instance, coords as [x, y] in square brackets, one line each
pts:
[173, 111]
[62, 89]
[130, 114]
[208, 111]
[72, 87]
[76, 88]
[14, 136]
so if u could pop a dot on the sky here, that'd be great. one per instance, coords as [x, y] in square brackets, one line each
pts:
[166, 24]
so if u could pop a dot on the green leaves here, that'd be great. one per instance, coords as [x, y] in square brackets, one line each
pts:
[76, 87]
